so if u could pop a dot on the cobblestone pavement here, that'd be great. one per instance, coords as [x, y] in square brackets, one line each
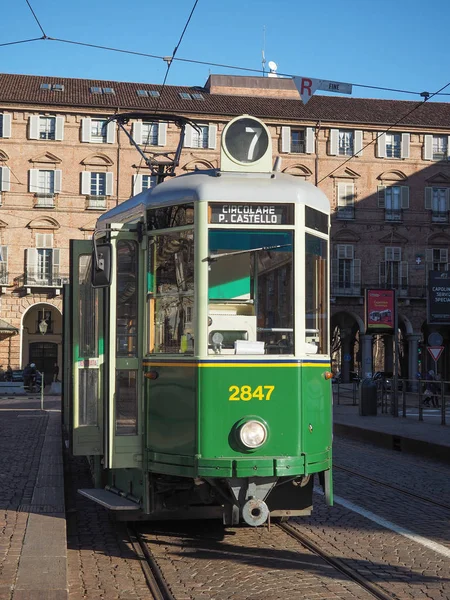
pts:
[101, 562]
[202, 561]
[245, 564]
[18, 472]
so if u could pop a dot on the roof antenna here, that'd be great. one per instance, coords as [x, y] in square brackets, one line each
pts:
[263, 51]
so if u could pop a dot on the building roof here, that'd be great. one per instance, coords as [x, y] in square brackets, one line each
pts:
[26, 90]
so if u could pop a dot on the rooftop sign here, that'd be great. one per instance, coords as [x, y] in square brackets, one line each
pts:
[306, 87]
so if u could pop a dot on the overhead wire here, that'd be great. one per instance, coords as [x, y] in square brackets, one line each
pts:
[36, 19]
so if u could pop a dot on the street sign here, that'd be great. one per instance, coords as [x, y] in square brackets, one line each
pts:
[435, 339]
[435, 352]
[347, 357]
[306, 87]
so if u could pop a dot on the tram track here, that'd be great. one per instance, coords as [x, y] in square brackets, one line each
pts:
[336, 563]
[393, 487]
[152, 573]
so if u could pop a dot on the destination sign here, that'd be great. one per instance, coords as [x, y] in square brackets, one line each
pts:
[251, 214]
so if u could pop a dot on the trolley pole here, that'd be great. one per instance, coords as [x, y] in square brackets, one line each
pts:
[394, 407]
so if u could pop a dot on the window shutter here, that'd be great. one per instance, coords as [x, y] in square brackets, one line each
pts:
[86, 183]
[5, 179]
[346, 194]
[427, 147]
[55, 261]
[33, 133]
[404, 195]
[403, 274]
[162, 134]
[358, 145]
[405, 145]
[188, 136]
[381, 146]
[334, 272]
[111, 132]
[136, 132]
[447, 198]
[212, 135]
[310, 140]
[285, 139]
[59, 128]
[86, 129]
[357, 272]
[428, 198]
[443, 255]
[6, 125]
[382, 273]
[334, 141]
[33, 182]
[381, 196]
[44, 240]
[429, 255]
[109, 184]
[32, 262]
[58, 181]
[137, 184]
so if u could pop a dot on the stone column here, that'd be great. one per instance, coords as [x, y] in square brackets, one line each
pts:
[365, 342]
[413, 341]
[346, 348]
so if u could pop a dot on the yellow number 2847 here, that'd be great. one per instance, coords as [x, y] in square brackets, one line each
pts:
[246, 392]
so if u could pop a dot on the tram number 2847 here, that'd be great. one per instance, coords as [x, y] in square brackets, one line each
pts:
[246, 392]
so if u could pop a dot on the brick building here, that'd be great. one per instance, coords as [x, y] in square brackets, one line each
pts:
[62, 166]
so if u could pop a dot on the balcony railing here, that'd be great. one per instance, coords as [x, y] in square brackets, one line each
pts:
[96, 202]
[34, 277]
[45, 201]
[439, 216]
[393, 214]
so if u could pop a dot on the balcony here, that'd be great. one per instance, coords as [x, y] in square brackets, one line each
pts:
[393, 215]
[37, 278]
[439, 216]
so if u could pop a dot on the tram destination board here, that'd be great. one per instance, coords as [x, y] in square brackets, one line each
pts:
[252, 214]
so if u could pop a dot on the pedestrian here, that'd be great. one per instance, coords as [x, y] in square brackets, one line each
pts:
[55, 372]
[430, 389]
[26, 375]
[9, 373]
[437, 391]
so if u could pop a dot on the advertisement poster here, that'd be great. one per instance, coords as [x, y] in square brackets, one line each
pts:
[439, 297]
[380, 307]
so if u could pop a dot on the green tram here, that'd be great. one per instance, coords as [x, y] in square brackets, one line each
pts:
[197, 344]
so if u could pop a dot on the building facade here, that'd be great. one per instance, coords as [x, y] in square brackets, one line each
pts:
[63, 163]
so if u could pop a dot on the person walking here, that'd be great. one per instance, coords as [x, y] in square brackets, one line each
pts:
[55, 372]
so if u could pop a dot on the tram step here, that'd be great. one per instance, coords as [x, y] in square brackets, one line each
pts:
[109, 499]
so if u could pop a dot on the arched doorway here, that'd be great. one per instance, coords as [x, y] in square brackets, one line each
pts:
[44, 355]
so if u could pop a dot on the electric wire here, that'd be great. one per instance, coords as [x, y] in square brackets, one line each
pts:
[384, 132]
[21, 41]
[36, 19]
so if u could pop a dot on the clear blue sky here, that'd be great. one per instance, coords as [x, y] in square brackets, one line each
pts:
[391, 43]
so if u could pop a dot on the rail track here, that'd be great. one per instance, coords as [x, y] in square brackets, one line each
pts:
[393, 487]
[337, 564]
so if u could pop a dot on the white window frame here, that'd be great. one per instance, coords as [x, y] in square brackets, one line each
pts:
[87, 180]
[190, 133]
[86, 132]
[350, 285]
[35, 183]
[346, 201]
[54, 126]
[139, 182]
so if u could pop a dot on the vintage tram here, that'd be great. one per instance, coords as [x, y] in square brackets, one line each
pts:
[197, 375]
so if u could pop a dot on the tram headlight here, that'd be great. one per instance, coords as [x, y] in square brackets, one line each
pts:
[253, 434]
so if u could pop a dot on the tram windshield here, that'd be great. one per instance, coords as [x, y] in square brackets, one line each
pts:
[251, 303]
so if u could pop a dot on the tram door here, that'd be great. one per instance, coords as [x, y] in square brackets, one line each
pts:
[125, 331]
[84, 353]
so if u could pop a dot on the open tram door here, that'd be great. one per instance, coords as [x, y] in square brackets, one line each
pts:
[84, 352]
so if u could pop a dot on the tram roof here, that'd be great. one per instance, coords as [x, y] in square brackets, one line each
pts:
[215, 185]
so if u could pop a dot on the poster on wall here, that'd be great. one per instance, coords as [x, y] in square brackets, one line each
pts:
[380, 311]
[439, 297]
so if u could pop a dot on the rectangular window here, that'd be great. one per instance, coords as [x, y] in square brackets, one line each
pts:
[345, 147]
[150, 133]
[126, 402]
[47, 128]
[98, 184]
[88, 309]
[1, 125]
[346, 272]
[393, 145]
[171, 271]
[127, 295]
[439, 206]
[251, 292]
[437, 259]
[346, 201]
[394, 271]
[148, 181]
[316, 292]
[98, 130]
[298, 141]
[440, 147]
[393, 207]
[200, 138]
[46, 183]
[171, 216]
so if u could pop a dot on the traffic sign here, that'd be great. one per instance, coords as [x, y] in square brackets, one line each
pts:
[435, 352]
[435, 339]
[306, 87]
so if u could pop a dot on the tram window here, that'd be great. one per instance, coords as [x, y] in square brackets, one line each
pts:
[88, 309]
[170, 216]
[171, 299]
[126, 307]
[316, 292]
[87, 397]
[251, 287]
[126, 403]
